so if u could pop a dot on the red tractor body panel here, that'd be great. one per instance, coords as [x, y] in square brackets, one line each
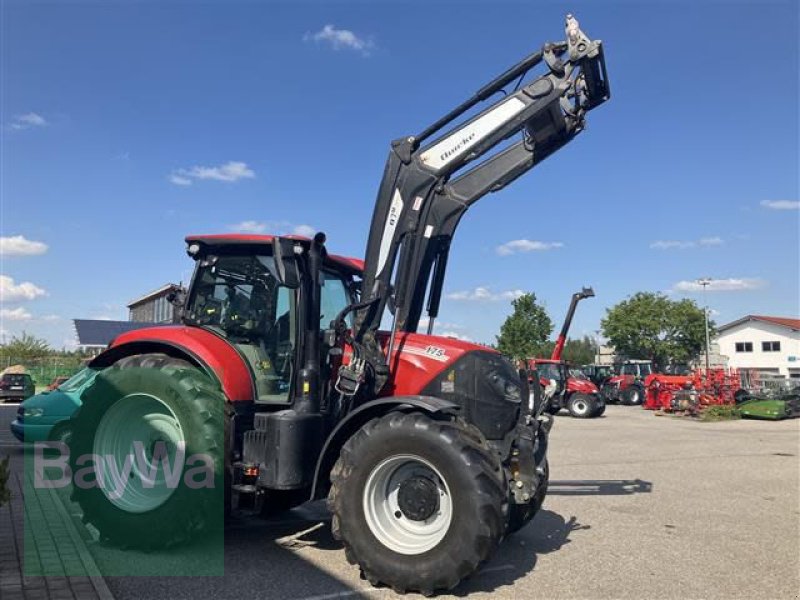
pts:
[582, 386]
[217, 354]
[417, 358]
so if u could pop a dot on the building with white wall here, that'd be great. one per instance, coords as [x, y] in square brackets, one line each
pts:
[770, 345]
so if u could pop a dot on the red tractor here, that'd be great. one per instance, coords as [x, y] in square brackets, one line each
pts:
[429, 450]
[575, 393]
[629, 384]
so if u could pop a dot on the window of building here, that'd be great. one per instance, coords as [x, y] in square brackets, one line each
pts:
[771, 346]
[744, 346]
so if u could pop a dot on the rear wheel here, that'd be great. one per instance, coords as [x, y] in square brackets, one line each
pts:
[419, 504]
[581, 406]
[633, 395]
[166, 419]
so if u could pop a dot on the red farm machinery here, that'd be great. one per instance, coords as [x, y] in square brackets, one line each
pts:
[693, 392]
[428, 449]
[579, 396]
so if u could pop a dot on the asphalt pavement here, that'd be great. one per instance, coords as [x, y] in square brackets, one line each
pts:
[640, 506]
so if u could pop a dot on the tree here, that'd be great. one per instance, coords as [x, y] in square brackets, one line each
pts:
[651, 326]
[524, 333]
[25, 347]
[576, 351]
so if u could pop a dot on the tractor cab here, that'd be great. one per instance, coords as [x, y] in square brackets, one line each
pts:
[237, 294]
[638, 369]
[553, 370]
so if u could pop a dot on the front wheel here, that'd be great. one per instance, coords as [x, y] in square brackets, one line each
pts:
[600, 409]
[633, 395]
[581, 406]
[418, 503]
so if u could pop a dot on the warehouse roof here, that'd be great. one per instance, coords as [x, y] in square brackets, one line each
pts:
[97, 332]
[780, 321]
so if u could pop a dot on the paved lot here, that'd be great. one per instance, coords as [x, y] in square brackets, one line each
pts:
[640, 507]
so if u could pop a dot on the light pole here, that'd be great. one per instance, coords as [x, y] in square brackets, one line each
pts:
[597, 343]
[705, 282]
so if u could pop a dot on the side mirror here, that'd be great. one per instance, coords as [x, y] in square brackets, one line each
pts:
[177, 298]
[287, 264]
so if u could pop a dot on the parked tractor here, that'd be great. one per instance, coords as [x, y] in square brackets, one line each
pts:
[598, 374]
[428, 449]
[628, 385]
[577, 394]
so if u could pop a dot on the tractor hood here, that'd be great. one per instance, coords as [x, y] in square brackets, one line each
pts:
[583, 386]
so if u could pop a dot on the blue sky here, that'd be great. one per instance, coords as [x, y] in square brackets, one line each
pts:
[126, 126]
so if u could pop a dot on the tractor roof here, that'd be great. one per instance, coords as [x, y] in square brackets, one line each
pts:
[354, 265]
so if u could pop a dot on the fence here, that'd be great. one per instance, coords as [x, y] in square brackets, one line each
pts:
[44, 369]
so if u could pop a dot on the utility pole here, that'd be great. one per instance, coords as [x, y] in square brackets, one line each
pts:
[597, 343]
[705, 282]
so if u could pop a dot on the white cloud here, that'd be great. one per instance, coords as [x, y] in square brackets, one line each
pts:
[17, 245]
[249, 227]
[179, 180]
[454, 334]
[684, 244]
[28, 120]
[516, 246]
[483, 294]
[781, 204]
[15, 314]
[731, 284]
[276, 227]
[230, 172]
[305, 230]
[340, 38]
[50, 318]
[12, 292]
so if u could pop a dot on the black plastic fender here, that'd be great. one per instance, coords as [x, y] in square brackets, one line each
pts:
[356, 419]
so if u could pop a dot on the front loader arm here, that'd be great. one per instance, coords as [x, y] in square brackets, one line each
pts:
[426, 189]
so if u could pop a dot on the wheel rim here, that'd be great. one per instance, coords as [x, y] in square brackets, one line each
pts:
[143, 431]
[581, 407]
[391, 521]
[634, 396]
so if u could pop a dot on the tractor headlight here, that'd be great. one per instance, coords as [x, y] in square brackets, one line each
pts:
[32, 412]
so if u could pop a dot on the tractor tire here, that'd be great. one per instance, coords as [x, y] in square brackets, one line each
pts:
[609, 393]
[553, 409]
[418, 503]
[741, 395]
[600, 409]
[633, 395]
[152, 399]
[581, 406]
[520, 515]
